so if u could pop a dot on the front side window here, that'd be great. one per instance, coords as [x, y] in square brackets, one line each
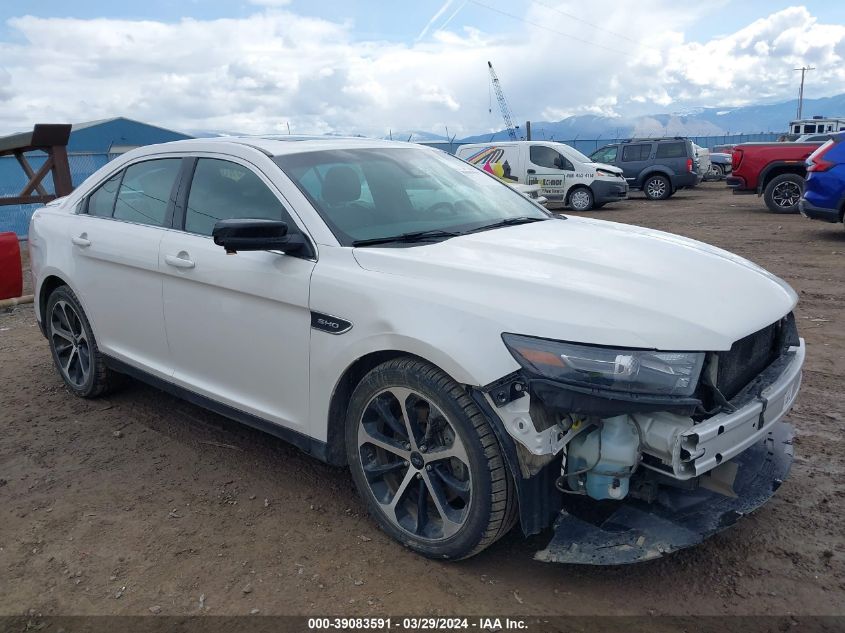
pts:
[543, 156]
[636, 152]
[144, 193]
[101, 202]
[222, 190]
[605, 155]
[671, 150]
[365, 194]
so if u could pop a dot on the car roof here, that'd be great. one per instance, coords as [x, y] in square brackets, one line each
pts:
[277, 145]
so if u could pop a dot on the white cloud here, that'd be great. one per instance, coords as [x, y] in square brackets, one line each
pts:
[256, 74]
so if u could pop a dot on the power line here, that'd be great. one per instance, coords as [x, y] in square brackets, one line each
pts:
[546, 28]
[582, 21]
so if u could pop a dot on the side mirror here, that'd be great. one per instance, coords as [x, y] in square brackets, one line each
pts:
[257, 235]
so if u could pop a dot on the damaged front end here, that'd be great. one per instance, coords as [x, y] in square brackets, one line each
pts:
[638, 453]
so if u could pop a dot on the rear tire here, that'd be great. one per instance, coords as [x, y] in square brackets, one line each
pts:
[74, 348]
[657, 187]
[426, 462]
[783, 193]
[715, 172]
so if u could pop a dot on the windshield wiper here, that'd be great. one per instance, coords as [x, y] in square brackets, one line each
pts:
[509, 222]
[415, 236]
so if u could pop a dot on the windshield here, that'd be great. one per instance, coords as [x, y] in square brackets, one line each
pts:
[574, 153]
[366, 194]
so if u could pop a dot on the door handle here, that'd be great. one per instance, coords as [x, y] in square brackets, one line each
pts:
[179, 262]
[532, 171]
[81, 241]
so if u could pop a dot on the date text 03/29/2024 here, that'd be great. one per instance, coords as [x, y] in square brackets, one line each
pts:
[417, 624]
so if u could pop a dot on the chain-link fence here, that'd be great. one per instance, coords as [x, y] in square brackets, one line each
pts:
[12, 179]
[589, 145]
[16, 217]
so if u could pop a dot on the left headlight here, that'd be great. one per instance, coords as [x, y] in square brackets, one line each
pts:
[632, 370]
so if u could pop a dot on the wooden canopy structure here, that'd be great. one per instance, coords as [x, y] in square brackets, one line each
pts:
[52, 140]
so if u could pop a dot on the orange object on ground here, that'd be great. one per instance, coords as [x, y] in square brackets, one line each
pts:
[11, 275]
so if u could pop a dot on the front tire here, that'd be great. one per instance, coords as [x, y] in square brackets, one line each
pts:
[74, 348]
[581, 199]
[783, 193]
[657, 187]
[426, 462]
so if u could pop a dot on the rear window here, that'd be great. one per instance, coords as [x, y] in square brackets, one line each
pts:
[101, 201]
[672, 150]
[636, 152]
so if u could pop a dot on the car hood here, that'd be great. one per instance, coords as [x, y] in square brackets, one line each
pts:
[592, 281]
[606, 167]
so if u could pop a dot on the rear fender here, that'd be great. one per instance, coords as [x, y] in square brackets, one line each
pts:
[777, 168]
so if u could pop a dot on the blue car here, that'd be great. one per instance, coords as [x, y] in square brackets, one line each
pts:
[824, 188]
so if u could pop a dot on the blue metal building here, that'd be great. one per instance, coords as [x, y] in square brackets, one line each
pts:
[91, 145]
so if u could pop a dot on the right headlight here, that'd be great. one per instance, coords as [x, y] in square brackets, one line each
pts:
[631, 370]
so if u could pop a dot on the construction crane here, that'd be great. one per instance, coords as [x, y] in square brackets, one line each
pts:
[503, 104]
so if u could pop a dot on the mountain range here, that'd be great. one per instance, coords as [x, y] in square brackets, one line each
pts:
[692, 122]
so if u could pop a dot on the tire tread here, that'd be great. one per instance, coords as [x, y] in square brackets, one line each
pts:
[503, 502]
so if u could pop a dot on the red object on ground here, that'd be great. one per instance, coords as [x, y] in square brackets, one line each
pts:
[11, 274]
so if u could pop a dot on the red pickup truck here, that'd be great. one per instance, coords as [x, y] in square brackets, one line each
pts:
[774, 170]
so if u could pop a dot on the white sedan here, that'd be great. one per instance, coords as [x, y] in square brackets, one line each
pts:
[476, 361]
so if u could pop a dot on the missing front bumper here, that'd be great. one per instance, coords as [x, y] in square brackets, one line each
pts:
[616, 533]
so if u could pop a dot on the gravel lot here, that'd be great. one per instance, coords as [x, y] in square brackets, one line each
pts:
[140, 502]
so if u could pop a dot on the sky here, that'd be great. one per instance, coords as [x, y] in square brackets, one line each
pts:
[259, 66]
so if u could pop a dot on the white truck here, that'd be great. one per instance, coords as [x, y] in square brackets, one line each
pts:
[563, 173]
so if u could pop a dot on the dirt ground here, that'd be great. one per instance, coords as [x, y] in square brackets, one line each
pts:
[141, 502]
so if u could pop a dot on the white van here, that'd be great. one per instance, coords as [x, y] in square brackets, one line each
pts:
[563, 173]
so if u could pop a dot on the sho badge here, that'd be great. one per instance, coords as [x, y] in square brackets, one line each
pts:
[328, 323]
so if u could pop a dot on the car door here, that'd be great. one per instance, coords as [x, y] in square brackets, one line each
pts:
[238, 325]
[635, 157]
[550, 170]
[115, 256]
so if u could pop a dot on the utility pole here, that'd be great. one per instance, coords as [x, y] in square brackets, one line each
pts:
[803, 70]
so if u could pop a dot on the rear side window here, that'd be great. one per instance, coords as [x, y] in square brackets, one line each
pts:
[636, 152]
[672, 150]
[101, 202]
[144, 194]
[222, 190]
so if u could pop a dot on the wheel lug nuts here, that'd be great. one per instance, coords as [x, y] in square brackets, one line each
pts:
[406, 463]
[419, 475]
[428, 467]
[423, 448]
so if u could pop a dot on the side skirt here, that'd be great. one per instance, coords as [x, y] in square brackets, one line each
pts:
[306, 444]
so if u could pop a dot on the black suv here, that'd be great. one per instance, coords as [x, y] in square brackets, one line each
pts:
[658, 166]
